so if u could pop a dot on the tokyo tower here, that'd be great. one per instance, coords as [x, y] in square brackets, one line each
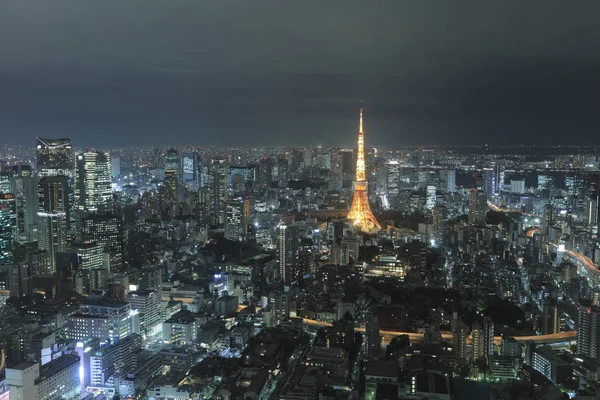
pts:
[360, 213]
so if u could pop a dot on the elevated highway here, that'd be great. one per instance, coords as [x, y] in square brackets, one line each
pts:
[418, 337]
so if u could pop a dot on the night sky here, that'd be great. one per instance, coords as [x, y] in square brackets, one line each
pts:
[253, 72]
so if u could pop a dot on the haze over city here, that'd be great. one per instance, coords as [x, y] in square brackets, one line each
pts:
[264, 72]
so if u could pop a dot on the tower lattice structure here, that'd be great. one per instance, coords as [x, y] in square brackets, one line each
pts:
[360, 212]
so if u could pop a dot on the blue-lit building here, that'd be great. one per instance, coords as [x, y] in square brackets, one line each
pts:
[8, 226]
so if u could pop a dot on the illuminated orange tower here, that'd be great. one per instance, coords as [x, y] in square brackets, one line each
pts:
[360, 213]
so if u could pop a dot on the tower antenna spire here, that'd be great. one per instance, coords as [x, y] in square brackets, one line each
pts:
[360, 126]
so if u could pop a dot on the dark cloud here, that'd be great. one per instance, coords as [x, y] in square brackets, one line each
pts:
[291, 73]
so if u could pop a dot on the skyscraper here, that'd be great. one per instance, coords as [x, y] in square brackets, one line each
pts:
[360, 212]
[233, 218]
[190, 170]
[92, 189]
[588, 330]
[54, 157]
[217, 190]
[477, 208]
[172, 177]
[287, 252]
[8, 227]
[105, 230]
[53, 216]
[489, 182]
[393, 178]
[25, 188]
[448, 180]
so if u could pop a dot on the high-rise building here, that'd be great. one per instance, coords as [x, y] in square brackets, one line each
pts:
[25, 188]
[448, 180]
[460, 333]
[477, 208]
[517, 186]
[360, 212]
[499, 176]
[103, 320]
[190, 170]
[547, 219]
[151, 280]
[489, 182]
[147, 303]
[54, 157]
[105, 230]
[115, 167]
[551, 318]
[287, 252]
[439, 215]
[171, 185]
[217, 190]
[588, 330]
[8, 227]
[430, 197]
[53, 216]
[265, 172]
[89, 255]
[282, 171]
[393, 178]
[93, 193]
[234, 220]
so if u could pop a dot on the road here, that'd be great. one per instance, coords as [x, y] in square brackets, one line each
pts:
[417, 337]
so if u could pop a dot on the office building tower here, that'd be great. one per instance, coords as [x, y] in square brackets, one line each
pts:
[190, 170]
[489, 182]
[551, 320]
[103, 320]
[217, 190]
[147, 303]
[89, 255]
[448, 180]
[478, 342]
[282, 171]
[105, 230]
[477, 208]
[53, 216]
[499, 176]
[393, 178]
[287, 252]
[151, 280]
[93, 192]
[8, 227]
[360, 212]
[547, 219]
[588, 330]
[488, 338]
[5, 179]
[460, 333]
[430, 197]
[439, 215]
[115, 167]
[545, 182]
[25, 188]
[234, 221]
[265, 172]
[517, 186]
[54, 157]
[171, 185]
[105, 360]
